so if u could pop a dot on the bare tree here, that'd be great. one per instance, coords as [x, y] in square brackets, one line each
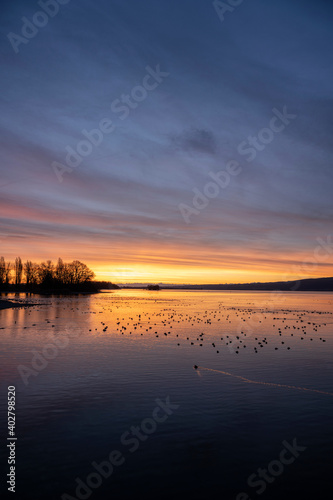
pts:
[28, 271]
[8, 271]
[2, 270]
[34, 274]
[80, 273]
[60, 271]
[18, 268]
[46, 272]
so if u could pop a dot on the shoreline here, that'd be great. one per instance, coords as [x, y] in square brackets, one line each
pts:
[8, 304]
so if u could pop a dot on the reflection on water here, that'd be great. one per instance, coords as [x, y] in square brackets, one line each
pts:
[88, 368]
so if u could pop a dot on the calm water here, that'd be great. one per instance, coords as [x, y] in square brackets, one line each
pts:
[112, 355]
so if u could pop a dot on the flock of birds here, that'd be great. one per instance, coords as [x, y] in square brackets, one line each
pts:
[235, 328]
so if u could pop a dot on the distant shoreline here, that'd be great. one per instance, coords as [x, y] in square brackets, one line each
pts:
[304, 285]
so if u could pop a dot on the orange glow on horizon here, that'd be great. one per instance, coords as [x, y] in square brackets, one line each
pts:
[172, 275]
[178, 264]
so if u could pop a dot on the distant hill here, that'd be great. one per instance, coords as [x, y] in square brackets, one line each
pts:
[305, 285]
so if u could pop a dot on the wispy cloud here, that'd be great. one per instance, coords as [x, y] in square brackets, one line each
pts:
[224, 81]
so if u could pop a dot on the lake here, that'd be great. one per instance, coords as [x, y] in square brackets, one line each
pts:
[110, 405]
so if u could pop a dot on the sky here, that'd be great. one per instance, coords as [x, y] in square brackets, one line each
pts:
[175, 92]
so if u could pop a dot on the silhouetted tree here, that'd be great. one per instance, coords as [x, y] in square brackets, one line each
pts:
[79, 273]
[28, 271]
[153, 287]
[34, 273]
[8, 270]
[60, 271]
[18, 270]
[46, 273]
[2, 270]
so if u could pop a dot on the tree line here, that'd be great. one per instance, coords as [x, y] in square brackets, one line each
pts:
[46, 274]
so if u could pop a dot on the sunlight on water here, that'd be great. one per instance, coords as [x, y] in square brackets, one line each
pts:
[87, 368]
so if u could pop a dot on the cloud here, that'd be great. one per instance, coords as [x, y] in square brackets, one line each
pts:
[199, 140]
[224, 81]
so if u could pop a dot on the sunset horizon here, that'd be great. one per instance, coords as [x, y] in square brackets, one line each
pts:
[197, 270]
[207, 165]
[166, 249]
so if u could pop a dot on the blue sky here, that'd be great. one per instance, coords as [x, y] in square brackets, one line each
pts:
[119, 209]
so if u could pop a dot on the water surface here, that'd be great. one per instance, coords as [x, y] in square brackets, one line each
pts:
[111, 356]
